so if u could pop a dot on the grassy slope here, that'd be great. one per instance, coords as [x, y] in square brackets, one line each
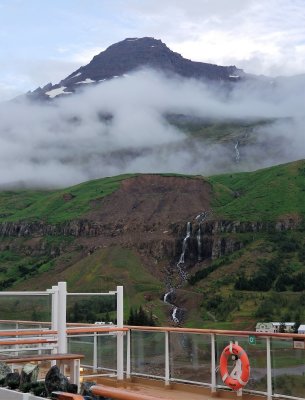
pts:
[217, 131]
[103, 271]
[262, 195]
[250, 196]
[50, 206]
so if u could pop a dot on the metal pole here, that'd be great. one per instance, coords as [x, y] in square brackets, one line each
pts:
[213, 364]
[128, 360]
[54, 320]
[120, 337]
[62, 323]
[95, 352]
[269, 375]
[166, 358]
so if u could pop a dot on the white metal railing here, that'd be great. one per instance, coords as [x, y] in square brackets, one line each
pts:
[167, 353]
[278, 369]
[58, 320]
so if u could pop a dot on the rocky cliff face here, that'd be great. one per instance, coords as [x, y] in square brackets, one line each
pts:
[149, 240]
[150, 214]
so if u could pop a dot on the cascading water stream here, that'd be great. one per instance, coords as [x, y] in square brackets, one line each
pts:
[181, 262]
[199, 243]
[182, 273]
[237, 155]
[200, 218]
[184, 244]
[167, 295]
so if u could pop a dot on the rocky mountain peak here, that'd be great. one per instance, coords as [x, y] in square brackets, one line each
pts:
[132, 54]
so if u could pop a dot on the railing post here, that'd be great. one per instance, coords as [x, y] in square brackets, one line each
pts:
[166, 358]
[62, 323]
[95, 352]
[128, 360]
[120, 337]
[269, 374]
[213, 363]
[54, 315]
[54, 320]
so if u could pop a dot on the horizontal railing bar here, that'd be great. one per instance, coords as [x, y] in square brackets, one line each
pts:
[74, 331]
[20, 349]
[216, 332]
[94, 328]
[287, 397]
[18, 321]
[97, 375]
[91, 335]
[15, 342]
[25, 293]
[28, 333]
[147, 375]
[120, 393]
[92, 294]
[245, 390]
[99, 368]
[192, 382]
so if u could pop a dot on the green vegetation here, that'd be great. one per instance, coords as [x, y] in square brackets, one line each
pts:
[56, 206]
[262, 195]
[262, 281]
[139, 317]
[215, 130]
[91, 310]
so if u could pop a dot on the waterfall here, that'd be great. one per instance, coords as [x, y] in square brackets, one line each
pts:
[167, 299]
[237, 155]
[175, 309]
[175, 319]
[167, 294]
[200, 219]
[199, 243]
[180, 264]
[184, 244]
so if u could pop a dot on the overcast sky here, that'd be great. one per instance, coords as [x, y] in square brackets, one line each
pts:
[44, 41]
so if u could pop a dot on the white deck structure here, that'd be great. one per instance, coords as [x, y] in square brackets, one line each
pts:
[170, 356]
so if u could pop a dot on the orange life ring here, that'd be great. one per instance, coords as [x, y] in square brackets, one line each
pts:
[239, 352]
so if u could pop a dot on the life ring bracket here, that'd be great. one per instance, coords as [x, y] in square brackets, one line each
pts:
[240, 375]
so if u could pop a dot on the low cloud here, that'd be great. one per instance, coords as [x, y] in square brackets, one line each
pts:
[121, 126]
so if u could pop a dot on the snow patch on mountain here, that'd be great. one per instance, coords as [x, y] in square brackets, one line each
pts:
[56, 92]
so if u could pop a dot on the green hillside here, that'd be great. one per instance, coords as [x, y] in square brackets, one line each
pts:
[260, 195]
[249, 196]
[264, 279]
[51, 206]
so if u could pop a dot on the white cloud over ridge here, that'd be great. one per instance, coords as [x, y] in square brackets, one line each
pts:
[73, 139]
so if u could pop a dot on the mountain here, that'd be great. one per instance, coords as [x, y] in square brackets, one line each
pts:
[241, 237]
[224, 120]
[130, 55]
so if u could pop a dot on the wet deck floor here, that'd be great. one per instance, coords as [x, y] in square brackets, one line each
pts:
[175, 391]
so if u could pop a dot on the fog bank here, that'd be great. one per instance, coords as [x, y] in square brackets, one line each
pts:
[120, 126]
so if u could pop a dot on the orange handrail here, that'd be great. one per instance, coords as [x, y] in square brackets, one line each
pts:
[216, 332]
[12, 342]
[126, 328]
[75, 331]
[28, 333]
[67, 396]
[121, 394]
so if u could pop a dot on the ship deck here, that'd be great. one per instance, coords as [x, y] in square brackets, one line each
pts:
[152, 362]
[173, 391]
